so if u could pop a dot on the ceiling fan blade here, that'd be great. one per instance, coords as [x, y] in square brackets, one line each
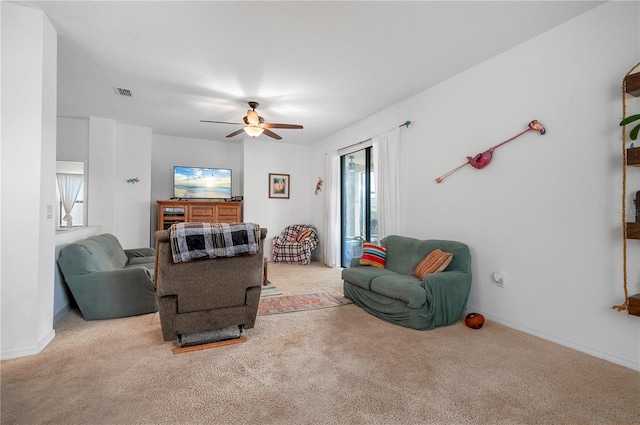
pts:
[273, 125]
[272, 134]
[222, 122]
[252, 117]
[235, 133]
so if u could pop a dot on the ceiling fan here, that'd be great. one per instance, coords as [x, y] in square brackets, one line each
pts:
[254, 124]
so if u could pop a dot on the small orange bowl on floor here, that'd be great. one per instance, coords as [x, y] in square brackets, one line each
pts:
[474, 320]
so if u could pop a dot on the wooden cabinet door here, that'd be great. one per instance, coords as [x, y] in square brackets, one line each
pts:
[202, 213]
[228, 214]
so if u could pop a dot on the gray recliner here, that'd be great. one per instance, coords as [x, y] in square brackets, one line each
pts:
[206, 294]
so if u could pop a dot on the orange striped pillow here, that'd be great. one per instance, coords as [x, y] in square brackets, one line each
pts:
[435, 262]
[303, 235]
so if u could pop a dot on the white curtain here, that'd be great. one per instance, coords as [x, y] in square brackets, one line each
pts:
[386, 154]
[332, 211]
[69, 186]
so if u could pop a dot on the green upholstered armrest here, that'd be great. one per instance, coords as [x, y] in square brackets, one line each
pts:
[140, 252]
[114, 293]
[447, 295]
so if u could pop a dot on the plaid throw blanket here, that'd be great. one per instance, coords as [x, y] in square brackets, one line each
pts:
[190, 241]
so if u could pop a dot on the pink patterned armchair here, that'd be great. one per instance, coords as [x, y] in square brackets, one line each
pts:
[294, 244]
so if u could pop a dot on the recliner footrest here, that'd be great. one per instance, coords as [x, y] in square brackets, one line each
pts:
[209, 336]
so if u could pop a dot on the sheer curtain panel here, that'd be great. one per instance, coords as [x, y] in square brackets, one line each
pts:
[69, 186]
[386, 151]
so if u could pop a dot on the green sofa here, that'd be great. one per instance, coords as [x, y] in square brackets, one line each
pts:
[108, 281]
[395, 295]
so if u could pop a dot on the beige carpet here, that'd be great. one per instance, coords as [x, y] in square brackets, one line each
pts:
[329, 366]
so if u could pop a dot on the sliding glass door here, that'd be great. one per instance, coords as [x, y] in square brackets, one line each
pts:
[358, 203]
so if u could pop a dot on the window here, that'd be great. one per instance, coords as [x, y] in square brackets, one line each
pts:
[358, 199]
[78, 211]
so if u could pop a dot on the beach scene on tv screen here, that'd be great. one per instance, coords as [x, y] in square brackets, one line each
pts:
[192, 182]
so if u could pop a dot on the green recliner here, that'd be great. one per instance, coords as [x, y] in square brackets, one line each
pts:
[395, 295]
[108, 281]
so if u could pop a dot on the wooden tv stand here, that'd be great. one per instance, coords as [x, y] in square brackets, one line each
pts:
[176, 211]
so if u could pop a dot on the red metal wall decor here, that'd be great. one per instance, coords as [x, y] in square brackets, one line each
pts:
[483, 159]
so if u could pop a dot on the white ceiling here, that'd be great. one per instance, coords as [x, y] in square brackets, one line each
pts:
[324, 65]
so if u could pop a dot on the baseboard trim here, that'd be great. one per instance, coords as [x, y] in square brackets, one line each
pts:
[46, 340]
[60, 314]
[29, 351]
[595, 352]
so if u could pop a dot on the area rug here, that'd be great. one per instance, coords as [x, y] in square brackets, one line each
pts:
[269, 290]
[291, 303]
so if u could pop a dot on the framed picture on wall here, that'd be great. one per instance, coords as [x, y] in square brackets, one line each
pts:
[279, 185]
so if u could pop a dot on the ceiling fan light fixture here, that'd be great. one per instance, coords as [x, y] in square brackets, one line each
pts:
[254, 125]
[253, 131]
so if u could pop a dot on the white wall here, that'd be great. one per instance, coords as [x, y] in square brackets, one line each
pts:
[29, 50]
[133, 206]
[73, 139]
[262, 157]
[118, 153]
[101, 199]
[543, 211]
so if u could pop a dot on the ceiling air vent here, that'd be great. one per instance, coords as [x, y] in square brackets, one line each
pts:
[123, 92]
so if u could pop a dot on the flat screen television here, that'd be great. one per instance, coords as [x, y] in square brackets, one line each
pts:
[201, 183]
